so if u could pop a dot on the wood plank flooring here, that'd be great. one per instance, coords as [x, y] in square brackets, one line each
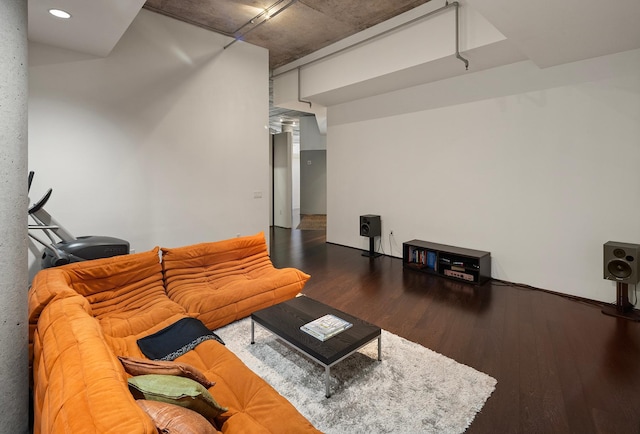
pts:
[561, 365]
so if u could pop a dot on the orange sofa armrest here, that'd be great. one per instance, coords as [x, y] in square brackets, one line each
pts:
[79, 384]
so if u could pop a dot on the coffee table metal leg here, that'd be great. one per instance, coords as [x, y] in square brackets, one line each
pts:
[327, 368]
[327, 393]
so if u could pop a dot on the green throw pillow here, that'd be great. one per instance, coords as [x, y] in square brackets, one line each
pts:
[181, 391]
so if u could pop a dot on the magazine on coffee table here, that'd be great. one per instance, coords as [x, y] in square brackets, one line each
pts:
[325, 327]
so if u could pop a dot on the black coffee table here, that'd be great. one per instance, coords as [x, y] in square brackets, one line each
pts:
[284, 320]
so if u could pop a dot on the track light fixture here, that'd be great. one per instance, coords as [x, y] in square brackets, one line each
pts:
[264, 16]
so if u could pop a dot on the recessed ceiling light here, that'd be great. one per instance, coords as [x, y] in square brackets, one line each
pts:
[59, 13]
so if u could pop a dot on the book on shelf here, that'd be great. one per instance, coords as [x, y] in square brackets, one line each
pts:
[325, 327]
[417, 256]
[431, 260]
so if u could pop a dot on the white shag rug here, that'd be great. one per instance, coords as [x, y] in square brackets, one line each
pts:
[412, 390]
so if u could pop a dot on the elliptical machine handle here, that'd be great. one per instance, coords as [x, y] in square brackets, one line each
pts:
[39, 204]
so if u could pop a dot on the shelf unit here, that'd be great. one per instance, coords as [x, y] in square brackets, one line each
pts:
[467, 265]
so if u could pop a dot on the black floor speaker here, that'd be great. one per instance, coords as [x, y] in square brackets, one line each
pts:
[620, 264]
[371, 227]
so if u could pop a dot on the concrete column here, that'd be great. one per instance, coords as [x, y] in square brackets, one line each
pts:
[14, 373]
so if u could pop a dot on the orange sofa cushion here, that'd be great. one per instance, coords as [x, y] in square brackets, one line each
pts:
[126, 292]
[253, 405]
[227, 280]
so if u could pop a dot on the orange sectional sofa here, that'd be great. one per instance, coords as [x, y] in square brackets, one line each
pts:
[84, 316]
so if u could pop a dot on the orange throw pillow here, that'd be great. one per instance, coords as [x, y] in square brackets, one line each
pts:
[135, 366]
[173, 419]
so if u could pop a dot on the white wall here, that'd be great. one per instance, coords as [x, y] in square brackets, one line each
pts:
[313, 167]
[163, 142]
[295, 183]
[313, 182]
[311, 139]
[282, 179]
[538, 166]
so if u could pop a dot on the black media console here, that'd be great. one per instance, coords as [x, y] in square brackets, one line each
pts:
[473, 266]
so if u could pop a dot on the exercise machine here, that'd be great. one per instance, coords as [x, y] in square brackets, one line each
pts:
[63, 248]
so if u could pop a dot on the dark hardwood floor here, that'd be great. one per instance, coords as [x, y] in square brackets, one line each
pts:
[561, 365]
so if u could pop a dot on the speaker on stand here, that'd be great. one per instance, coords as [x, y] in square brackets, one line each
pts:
[370, 227]
[621, 265]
